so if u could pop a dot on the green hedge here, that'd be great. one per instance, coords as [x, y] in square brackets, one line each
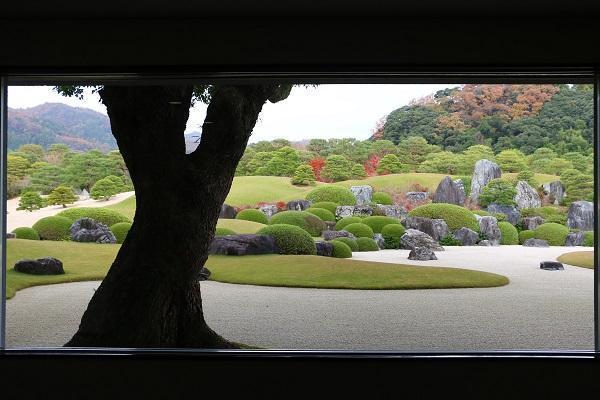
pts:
[224, 232]
[53, 228]
[391, 235]
[120, 231]
[382, 198]
[104, 215]
[252, 214]
[341, 249]
[335, 194]
[290, 239]
[544, 212]
[588, 239]
[26, 232]
[359, 230]
[328, 205]
[322, 213]
[302, 219]
[510, 235]
[526, 234]
[555, 234]
[455, 216]
[450, 241]
[557, 218]
[352, 243]
[342, 223]
[367, 244]
[378, 222]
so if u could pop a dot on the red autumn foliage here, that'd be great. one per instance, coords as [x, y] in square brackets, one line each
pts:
[317, 165]
[371, 165]
[281, 205]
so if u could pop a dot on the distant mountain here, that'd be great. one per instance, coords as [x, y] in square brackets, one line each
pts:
[80, 128]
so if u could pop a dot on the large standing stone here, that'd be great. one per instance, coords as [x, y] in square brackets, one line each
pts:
[413, 238]
[466, 236]
[530, 223]
[422, 254]
[89, 230]
[41, 266]
[227, 212]
[417, 197]
[512, 214]
[393, 211]
[269, 210]
[85, 195]
[535, 243]
[344, 211]
[298, 205]
[484, 171]
[242, 245]
[489, 227]
[556, 191]
[436, 228]
[362, 211]
[363, 194]
[581, 216]
[527, 197]
[324, 249]
[449, 191]
[575, 238]
[330, 235]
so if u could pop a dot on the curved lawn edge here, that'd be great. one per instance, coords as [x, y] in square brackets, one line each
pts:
[583, 259]
[333, 273]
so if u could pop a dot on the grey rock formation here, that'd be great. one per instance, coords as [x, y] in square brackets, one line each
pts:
[417, 197]
[575, 238]
[330, 235]
[422, 254]
[484, 171]
[89, 230]
[489, 227]
[204, 274]
[413, 238]
[85, 195]
[41, 266]
[449, 191]
[530, 223]
[227, 212]
[551, 266]
[298, 205]
[526, 197]
[344, 211]
[466, 236]
[393, 211]
[242, 245]
[10, 235]
[329, 225]
[378, 238]
[485, 243]
[363, 194]
[555, 191]
[362, 211]
[535, 243]
[581, 216]
[436, 228]
[324, 249]
[269, 210]
[512, 214]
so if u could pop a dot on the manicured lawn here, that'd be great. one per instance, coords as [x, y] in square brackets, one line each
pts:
[125, 207]
[240, 225]
[397, 182]
[584, 259]
[540, 178]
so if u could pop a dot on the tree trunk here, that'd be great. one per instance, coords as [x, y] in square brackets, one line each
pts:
[151, 295]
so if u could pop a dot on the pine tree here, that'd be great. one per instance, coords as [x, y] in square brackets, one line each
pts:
[104, 189]
[31, 201]
[62, 195]
[358, 172]
[303, 176]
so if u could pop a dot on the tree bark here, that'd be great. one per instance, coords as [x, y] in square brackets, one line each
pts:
[151, 295]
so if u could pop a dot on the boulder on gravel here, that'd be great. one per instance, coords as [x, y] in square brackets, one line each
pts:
[227, 212]
[581, 216]
[512, 214]
[526, 197]
[413, 238]
[41, 266]
[298, 205]
[89, 230]
[363, 194]
[488, 226]
[422, 254]
[242, 245]
[555, 190]
[449, 191]
[436, 228]
[466, 236]
[324, 249]
[530, 223]
[483, 173]
[535, 243]
[485, 242]
[269, 210]
[344, 211]
[575, 238]
[392, 211]
[551, 266]
[330, 235]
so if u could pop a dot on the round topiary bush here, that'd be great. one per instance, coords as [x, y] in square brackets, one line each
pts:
[391, 235]
[378, 222]
[588, 239]
[101, 214]
[557, 218]
[53, 228]
[544, 212]
[302, 219]
[328, 205]
[555, 234]
[224, 232]
[359, 230]
[382, 198]
[367, 244]
[26, 232]
[290, 239]
[352, 243]
[120, 231]
[342, 223]
[322, 213]
[341, 249]
[335, 194]
[526, 234]
[510, 235]
[455, 216]
[254, 215]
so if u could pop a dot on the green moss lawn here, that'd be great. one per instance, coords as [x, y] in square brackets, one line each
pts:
[584, 259]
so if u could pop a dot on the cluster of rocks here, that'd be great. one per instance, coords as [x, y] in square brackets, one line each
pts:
[89, 230]
[41, 266]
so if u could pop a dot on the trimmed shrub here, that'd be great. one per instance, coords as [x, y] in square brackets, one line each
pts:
[26, 232]
[290, 239]
[328, 205]
[382, 198]
[120, 231]
[455, 216]
[544, 212]
[555, 234]
[332, 193]
[509, 233]
[450, 241]
[322, 213]
[391, 235]
[526, 234]
[588, 239]
[359, 230]
[106, 216]
[302, 219]
[224, 232]
[252, 214]
[557, 218]
[367, 244]
[378, 222]
[342, 223]
[499, 216]
[53, 228]
[499, 191]
[341, 249]
[352, 243]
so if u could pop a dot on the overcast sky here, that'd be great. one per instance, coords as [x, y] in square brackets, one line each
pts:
[325, 111]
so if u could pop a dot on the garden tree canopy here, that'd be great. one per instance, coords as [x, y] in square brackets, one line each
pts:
[390, 164]
[151, 294]
[62, 195]
[336, 168]
[30, 201]
[303, 175]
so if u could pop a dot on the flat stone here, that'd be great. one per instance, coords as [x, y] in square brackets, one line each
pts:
[535, 243]
[485, 242]
[530, 223]
[298, 205]
[436, 228]
[330, 235]
[551, 266]
[41, 266]
[513, 215]
[413, 238]
[363, 194]
[362, 211]
[581, 216]
[242, 245]
[393, 211]
[324, 249]
[227, 212]
[483, 173]
[422, 254]
[526, 197]
[417, 197]
[449, 191]
[344, 211]
[466, 236]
